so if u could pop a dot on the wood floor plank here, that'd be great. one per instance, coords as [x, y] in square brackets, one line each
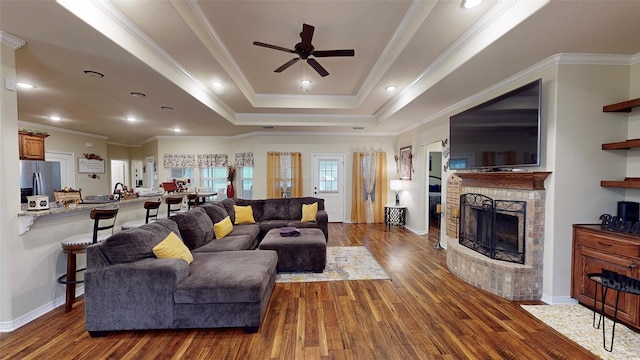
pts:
[423, 312]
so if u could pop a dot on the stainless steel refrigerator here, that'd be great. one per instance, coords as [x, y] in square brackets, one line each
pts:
[39, 178]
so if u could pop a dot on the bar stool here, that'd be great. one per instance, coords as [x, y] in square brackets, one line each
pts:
[193, 200]
[152, 208]
[103, 219]
[174, 203]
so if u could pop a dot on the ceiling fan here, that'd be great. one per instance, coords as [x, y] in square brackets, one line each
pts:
[304, 49]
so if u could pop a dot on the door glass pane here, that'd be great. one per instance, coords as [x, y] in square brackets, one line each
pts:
[328, 175]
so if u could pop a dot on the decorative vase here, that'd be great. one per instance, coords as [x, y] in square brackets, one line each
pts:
[230, 192]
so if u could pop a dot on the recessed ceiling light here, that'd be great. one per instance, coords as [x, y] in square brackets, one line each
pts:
[130, 118]
[391, 88]
[176, 129]
[267, 127]
[217, 84]
[358, 128]
[468, 4]
[25, 85]
[55, 118]
[94, 74]
[137, 94]
[168, 108]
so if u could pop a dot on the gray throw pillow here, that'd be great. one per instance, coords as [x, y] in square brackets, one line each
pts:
[195, 227]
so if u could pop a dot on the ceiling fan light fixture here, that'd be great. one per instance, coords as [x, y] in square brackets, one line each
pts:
[468, 4]
[305, 85]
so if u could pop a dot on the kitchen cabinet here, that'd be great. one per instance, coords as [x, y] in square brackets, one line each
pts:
[595, 249]
[31, 145]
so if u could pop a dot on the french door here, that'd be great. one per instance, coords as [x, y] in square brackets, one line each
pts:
[328, 183]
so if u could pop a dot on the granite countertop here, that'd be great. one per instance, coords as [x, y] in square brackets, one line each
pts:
[56, 209]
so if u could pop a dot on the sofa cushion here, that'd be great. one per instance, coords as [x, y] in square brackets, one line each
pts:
[295, 206]
[252, 230]
[277, 209]
[256, 205]
[137, 244]
[244, 214]
[216, 211]
[228, 243]
[223, 228]
[228, 205]
[227, 277]
[172, 248]
[196, 228]
[309, 212]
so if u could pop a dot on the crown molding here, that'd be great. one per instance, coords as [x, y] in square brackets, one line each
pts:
[57, 129]
[304, 120]
[554, 60]
[12, 41]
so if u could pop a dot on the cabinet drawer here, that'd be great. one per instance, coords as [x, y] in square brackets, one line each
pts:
[607, 244]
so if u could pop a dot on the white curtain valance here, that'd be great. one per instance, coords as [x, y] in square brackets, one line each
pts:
[179, 160]
[212, 160]
[244, 159]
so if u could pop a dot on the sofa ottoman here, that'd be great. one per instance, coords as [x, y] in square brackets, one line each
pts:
[307, 252]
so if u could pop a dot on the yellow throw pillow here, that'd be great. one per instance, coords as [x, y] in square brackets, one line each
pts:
[223, 228]
[309, 212]
[173, 248]
[244, 214]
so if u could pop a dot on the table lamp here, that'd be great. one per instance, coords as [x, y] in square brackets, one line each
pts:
[396, 185]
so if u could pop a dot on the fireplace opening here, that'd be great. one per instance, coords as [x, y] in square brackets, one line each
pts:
[494, 228]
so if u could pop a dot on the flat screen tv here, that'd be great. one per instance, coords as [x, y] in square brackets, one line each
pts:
[500, 134]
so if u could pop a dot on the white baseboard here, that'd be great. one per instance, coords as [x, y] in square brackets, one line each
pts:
[8, 326]
[558, 300]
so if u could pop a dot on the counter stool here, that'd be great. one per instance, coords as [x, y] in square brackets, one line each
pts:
[152, 208]
[174, 204]
[193, 200]
[103, 219]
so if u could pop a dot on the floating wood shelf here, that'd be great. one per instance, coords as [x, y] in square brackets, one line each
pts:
[525, 180]
[628, 144]
[628, 183]
[625, 106]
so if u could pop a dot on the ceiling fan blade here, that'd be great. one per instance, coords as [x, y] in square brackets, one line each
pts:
[327, 53]
[286, 65]
[306, 35]
[273, 47]
[316, 65]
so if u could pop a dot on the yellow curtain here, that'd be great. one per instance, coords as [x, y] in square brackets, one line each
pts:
[358, 212]
[382, 187]
[273, 175]
[357, 194]
[296, 174]
[278, 175]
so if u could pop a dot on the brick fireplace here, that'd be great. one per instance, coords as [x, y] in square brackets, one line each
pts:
[511, 280]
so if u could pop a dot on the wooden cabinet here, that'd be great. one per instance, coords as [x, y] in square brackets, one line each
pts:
[594, 250]
[622, 107]
[31, 145]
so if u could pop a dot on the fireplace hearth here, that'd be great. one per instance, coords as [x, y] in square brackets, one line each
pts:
[507, 211]
[493, 228]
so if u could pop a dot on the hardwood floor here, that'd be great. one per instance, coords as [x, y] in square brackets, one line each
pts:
[424, 312]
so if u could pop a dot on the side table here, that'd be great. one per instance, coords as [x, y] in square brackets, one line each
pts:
[395, 215]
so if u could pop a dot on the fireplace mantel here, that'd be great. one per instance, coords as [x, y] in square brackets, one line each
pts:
[525, 180]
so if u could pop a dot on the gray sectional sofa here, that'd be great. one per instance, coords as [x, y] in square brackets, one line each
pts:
[228, 284]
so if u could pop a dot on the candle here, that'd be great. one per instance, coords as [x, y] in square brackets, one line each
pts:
[456, 212]
[438, 208]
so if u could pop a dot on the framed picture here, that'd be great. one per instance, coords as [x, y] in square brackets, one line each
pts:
[90, 166]
[406, 158]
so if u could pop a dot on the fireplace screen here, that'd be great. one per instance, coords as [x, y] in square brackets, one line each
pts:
[494, 228]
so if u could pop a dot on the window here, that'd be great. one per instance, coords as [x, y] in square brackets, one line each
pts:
[214, 177]
[328, 181]
[181, 174]
[246, 182]
[457, 164]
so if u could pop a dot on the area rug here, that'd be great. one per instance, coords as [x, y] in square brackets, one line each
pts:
[575, 322]
[343, 263]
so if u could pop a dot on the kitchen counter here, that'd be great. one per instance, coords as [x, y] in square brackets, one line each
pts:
[26, 218]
